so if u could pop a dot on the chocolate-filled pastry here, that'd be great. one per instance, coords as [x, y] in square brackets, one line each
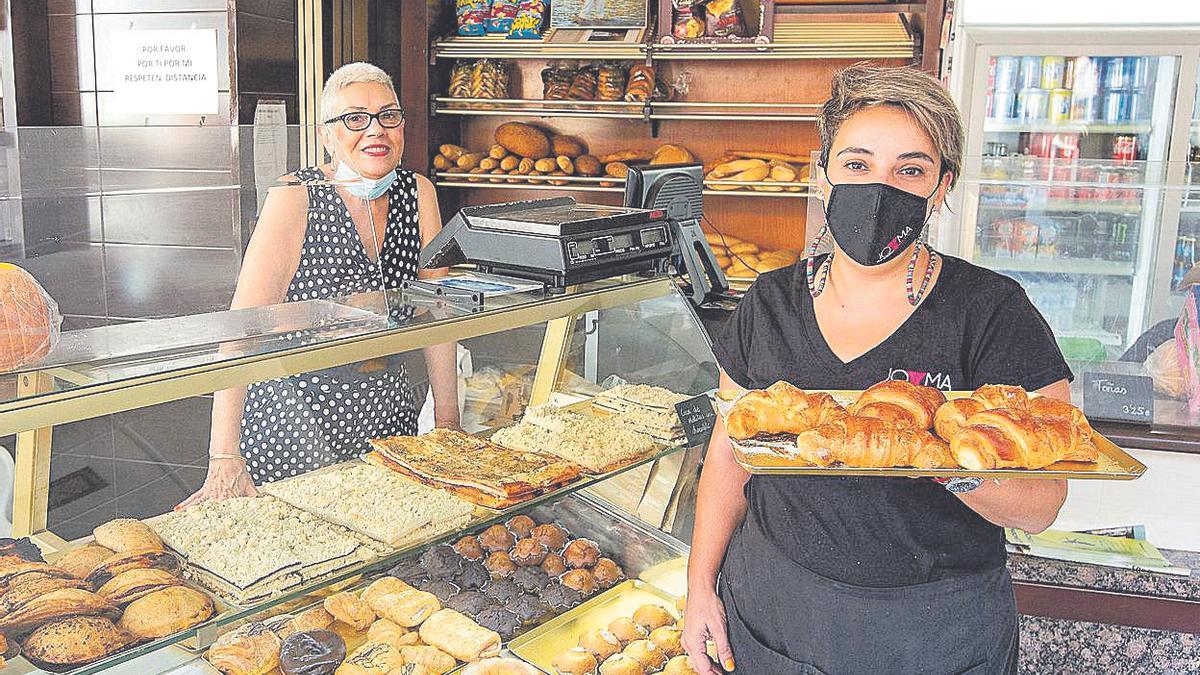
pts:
[601, 643]
[554, 565]
[392, 633]
[382, 586]
[498, 619]
[441, 562]
[653, 616]
[350, 610]
[529, 552]
[132, 560]
[529, 608]
[521, 526]
[607, 573]
[627, 630]
[581, 553]
[29, 587]
[442, 589]
[410, 571]
[59, 604]
[469, 548]
[23, 549]
[409, 608]
[580, 580]
[84, 559]
[502, 590]
[496, 538]
[622, 664]
[317, 652]
[129, 586]
[67, 643]
[253, 648]
[575, 661]
[531, 579]
[469, 602]
[559, 597]
[669, 639]
[500, 565]
[474, 576]
[647, 653]
[553, 536]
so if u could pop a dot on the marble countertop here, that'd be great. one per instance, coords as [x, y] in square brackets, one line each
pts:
[1079, 575]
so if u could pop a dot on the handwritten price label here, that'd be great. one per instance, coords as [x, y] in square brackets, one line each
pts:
[1121, 398]
[697, 417]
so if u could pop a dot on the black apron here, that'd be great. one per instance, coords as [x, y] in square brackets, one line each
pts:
[784, 619]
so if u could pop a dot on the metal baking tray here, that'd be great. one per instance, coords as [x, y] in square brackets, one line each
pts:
[542, 644]
[670, 576]
[1114, 463]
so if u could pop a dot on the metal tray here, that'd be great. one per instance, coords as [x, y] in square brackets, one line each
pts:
[670, 576]
[542, 644]
[1114, 463]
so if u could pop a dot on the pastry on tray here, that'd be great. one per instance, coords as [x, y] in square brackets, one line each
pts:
[780, 410]
[249, 650]
[311, 653]
[475, 469]
[133, 560]
[75, 641]
[459, 636]
[81, 561]
[137, 583]
[500, 665]
[166, 611]
[868, 442]
[351, 494]
[127, 534]
[901, 402]
[599, 445]
[59, 604]
[29, 587]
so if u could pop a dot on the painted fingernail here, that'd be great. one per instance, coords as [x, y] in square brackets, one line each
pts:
[729, 665]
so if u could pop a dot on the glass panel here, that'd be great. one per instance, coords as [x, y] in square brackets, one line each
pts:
[1071, 194]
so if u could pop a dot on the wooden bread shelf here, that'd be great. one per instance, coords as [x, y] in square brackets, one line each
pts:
[448, 179]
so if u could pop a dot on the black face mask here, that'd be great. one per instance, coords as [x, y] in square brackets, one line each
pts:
[874, 222]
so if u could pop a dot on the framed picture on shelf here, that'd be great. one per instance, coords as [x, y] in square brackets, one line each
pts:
[599, 13]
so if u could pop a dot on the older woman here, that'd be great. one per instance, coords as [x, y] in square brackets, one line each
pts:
[871, 575]
[332, 240]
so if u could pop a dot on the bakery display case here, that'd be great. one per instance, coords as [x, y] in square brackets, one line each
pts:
[149, 589]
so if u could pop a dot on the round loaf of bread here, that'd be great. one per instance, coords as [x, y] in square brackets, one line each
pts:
[29, 318]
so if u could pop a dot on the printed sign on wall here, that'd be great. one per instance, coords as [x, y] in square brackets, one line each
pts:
[166, 71]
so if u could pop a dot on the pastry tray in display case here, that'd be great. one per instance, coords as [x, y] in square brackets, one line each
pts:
[542, 644]
[1114, 463]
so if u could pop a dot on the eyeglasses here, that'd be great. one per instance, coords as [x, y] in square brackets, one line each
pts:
[359, 121]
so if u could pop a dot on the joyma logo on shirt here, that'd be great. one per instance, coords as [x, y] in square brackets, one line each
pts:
[922, 378]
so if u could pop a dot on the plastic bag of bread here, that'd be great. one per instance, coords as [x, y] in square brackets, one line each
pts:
[29, 318]
[1164, 368]
[556, 82]
[611, 86]
[723, 18]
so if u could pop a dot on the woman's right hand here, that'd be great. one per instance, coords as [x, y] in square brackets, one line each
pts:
[226, 478]
[704, 620]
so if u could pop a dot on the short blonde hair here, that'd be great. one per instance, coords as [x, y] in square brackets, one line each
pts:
[916, 93]
[351, 73]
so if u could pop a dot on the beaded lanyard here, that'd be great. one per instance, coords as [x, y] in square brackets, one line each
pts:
[914, 299]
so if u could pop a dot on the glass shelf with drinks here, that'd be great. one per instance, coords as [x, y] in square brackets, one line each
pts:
[1097, 94]
[1088, 244]
[1075, 306]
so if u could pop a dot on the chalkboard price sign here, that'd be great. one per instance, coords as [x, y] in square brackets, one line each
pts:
[1120, 398]
[697, 417]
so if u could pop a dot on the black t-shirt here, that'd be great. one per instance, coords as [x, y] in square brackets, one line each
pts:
[975, 327]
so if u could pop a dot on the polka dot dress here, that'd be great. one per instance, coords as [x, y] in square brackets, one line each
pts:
[296, 424]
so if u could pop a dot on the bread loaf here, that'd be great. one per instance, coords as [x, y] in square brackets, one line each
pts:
[29, 318]
[523, 140]
[569, 146]
[587, 165]
[672, 154]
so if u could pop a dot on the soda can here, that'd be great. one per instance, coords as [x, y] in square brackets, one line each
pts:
[1039, 145]
[1124, 148]
[1031, 72]
[1116, 107]
[1006, 70]
[1032, 104]
[1059, 107]
[1137, 72]
[1053, 70]
[1085, 75]
[1003, 104]
[1085, 108]
[1069, 74]
[1088, 176]
[1116, 73]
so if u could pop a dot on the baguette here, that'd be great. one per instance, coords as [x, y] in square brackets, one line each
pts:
[452, 152]
[627, 156]
[779, 156]
[738, 166]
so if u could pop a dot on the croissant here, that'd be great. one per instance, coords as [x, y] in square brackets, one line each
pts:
[1016, 439]
[953, 416]
[867, 442]
[1001, 396]
[900, 402]
[250, 650]
[780, 409]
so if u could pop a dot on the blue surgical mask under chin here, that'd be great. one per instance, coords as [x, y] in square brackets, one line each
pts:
[361, 186]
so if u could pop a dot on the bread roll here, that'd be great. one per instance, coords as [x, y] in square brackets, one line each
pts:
[568, 146]
[29, 318]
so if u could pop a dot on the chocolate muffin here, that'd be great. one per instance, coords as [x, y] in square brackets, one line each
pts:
[581, 553]
[469, 602]
[441, 562]
[529, 608]
[409, 571]
[502, 590]
[496, 538]
[442, 588]
[474, 576]
[554, 565]
[500, 565]
[607, 573]
[496, 618]
[317, 652]
[559, 597]
[553, 536]
[529, 552]
[531, 578]
[520, 526]
[469, 548]
[580, 580]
